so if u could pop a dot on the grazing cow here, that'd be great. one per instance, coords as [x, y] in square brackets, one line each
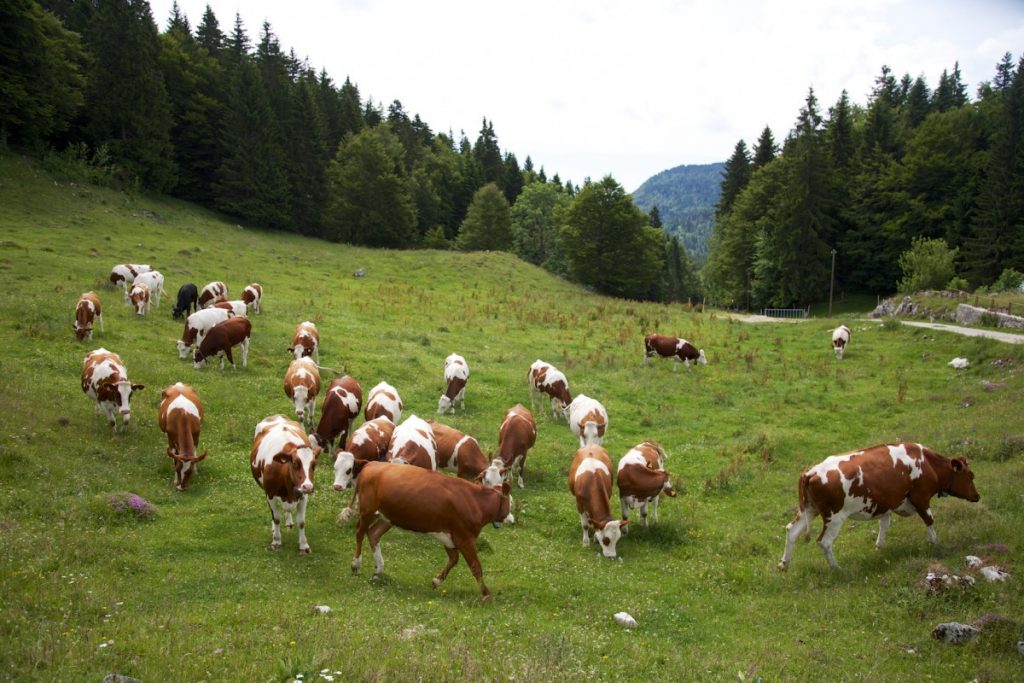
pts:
[590, 481]
[87, 310]
[384, 401]
[369, 443]
[451, 510]
[588, 420]
[221, 338]
[181, 416]
[282, 462]
[457, 452]
[105, 380]
[342, 402]
[252, 295]
[188, 301]
[840, 339]
[302, 385]
[456, 372]
[196, 327]
[873, 483]
[667, 347]
[413, 443]
[124, 274]
[305, 341]
[212, 293]
[152, 279]
[237, 307]
[516, 436]
[139, 297]
[642, 478]
[547, 379]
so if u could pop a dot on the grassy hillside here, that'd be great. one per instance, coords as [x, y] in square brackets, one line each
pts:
[196, 594]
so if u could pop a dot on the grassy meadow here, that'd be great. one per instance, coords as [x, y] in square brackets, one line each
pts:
[196, 594]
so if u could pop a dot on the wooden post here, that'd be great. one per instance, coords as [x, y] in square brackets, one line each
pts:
[831, 283]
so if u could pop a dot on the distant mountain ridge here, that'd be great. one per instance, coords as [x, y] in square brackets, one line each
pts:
[685, 196]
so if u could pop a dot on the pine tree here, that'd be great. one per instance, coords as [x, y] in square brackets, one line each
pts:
[513, 178]
[735, 177]
[839, 134]
[488, 225]
[127, 107]
[765, 149]
[918, 103]
[654, 218]
[209, 35]
[488, 156]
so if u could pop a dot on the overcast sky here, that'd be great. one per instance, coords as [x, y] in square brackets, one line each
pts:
[592, 87]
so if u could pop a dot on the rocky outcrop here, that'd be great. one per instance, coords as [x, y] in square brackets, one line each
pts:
[971, 315]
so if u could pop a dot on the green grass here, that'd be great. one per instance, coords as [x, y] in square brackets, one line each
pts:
[195, 593]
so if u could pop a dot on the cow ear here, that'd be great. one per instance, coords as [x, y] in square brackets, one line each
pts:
[623, 523]
[957, 464]
[291, 349]
[283, 458]
[138, 387]
[317, 451]
[505, 488]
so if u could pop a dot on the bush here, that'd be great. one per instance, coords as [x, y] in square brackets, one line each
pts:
[1009, 280]
[928, 264]
[957, 284]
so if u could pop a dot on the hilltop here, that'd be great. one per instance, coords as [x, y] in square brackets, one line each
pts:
[686, 196]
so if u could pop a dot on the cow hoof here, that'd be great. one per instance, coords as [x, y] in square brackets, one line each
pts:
[356, 564]
[487, 597]
[305, 551]
[344, 516]
[275, 546]
[782, 566]
[436, 581]
[289, 526]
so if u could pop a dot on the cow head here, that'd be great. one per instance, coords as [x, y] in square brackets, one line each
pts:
[444, 404]
[140, 299]
[184, 466]
[301, 462]
[82, 331]
[961, 481]
[346, 468]
[182, 349]
[701, 358]
[504, 507]
[608, 534]
[176, 313]
[493, 475]
[119, 392]
[300, 394]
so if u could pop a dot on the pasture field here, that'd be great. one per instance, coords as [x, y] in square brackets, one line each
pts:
[196, 594]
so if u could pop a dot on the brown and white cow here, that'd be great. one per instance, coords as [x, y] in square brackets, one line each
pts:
[840, 338]
[87, 311]
[282, 462]
[237, 307]
[458, 452]
[196, 327]
[456, 373]
[342, 402]
[516, 436]
[451, 510]
[873, 483]
[139, 297]
[412, 443]
[302, 386]
[123, 274]
[305, 341]
[384, 401]
[367, 444]
[221, 338]
[546, 379]
[105, 380]
[588, 420]
[590, 481]
[181, 417]
[154, 280]
[642, 478]
[252, 295]
[212, 293]
[668, 347]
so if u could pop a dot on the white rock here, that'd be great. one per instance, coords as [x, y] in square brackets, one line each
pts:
[959, 363]
[955, 632]
[973, 561]
[624, 619]
[321, 609]
[994, 574]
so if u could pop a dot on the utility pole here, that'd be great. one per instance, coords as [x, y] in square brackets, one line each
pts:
[831, 283]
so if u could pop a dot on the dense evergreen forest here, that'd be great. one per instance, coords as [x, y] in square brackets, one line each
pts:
[685, 197]
[242, 126]
[912, 169]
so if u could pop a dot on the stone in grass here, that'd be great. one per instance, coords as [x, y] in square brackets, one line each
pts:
[956, 633]
[130, 505]
[625, 620]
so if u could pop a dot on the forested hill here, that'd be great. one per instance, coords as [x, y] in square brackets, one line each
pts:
[686, 197]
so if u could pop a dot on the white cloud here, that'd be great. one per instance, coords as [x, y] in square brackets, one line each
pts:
[630, 89]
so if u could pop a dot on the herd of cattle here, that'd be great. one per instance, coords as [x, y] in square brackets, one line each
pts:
[393, 464]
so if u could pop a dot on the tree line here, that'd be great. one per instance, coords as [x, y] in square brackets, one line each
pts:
[913, 168]
[247, 128]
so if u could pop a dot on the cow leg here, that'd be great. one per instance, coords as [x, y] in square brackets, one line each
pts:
[227, 353]
[462, 397]
[245, 352]
[654, 508]
[624, 503]
[99, 319]
[353, 507]
[829, 532]
[517, 466]
[584, 522]
[643, 512]
[300, 517]
[275, 525]
[379, 528]
[800, 524]
[925, 513]
[883, 525]
[453, 559]
[362, 524]
[468, 549]
[108, 410]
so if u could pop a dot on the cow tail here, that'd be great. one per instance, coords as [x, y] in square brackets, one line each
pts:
[802, 490]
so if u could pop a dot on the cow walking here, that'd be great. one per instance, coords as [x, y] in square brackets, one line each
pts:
[188, 301]
[548, 380]
[516, 436]
[588, 420]
[181, 418]
[840, 339]
[668, 347]
[590, 482]
[87, 310]
[873, 483]
[642, 478]
[456, 373]
[105, 380]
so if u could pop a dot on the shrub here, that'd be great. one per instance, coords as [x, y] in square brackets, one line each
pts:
[928, 264]
[957, 284]
[1009, 280]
